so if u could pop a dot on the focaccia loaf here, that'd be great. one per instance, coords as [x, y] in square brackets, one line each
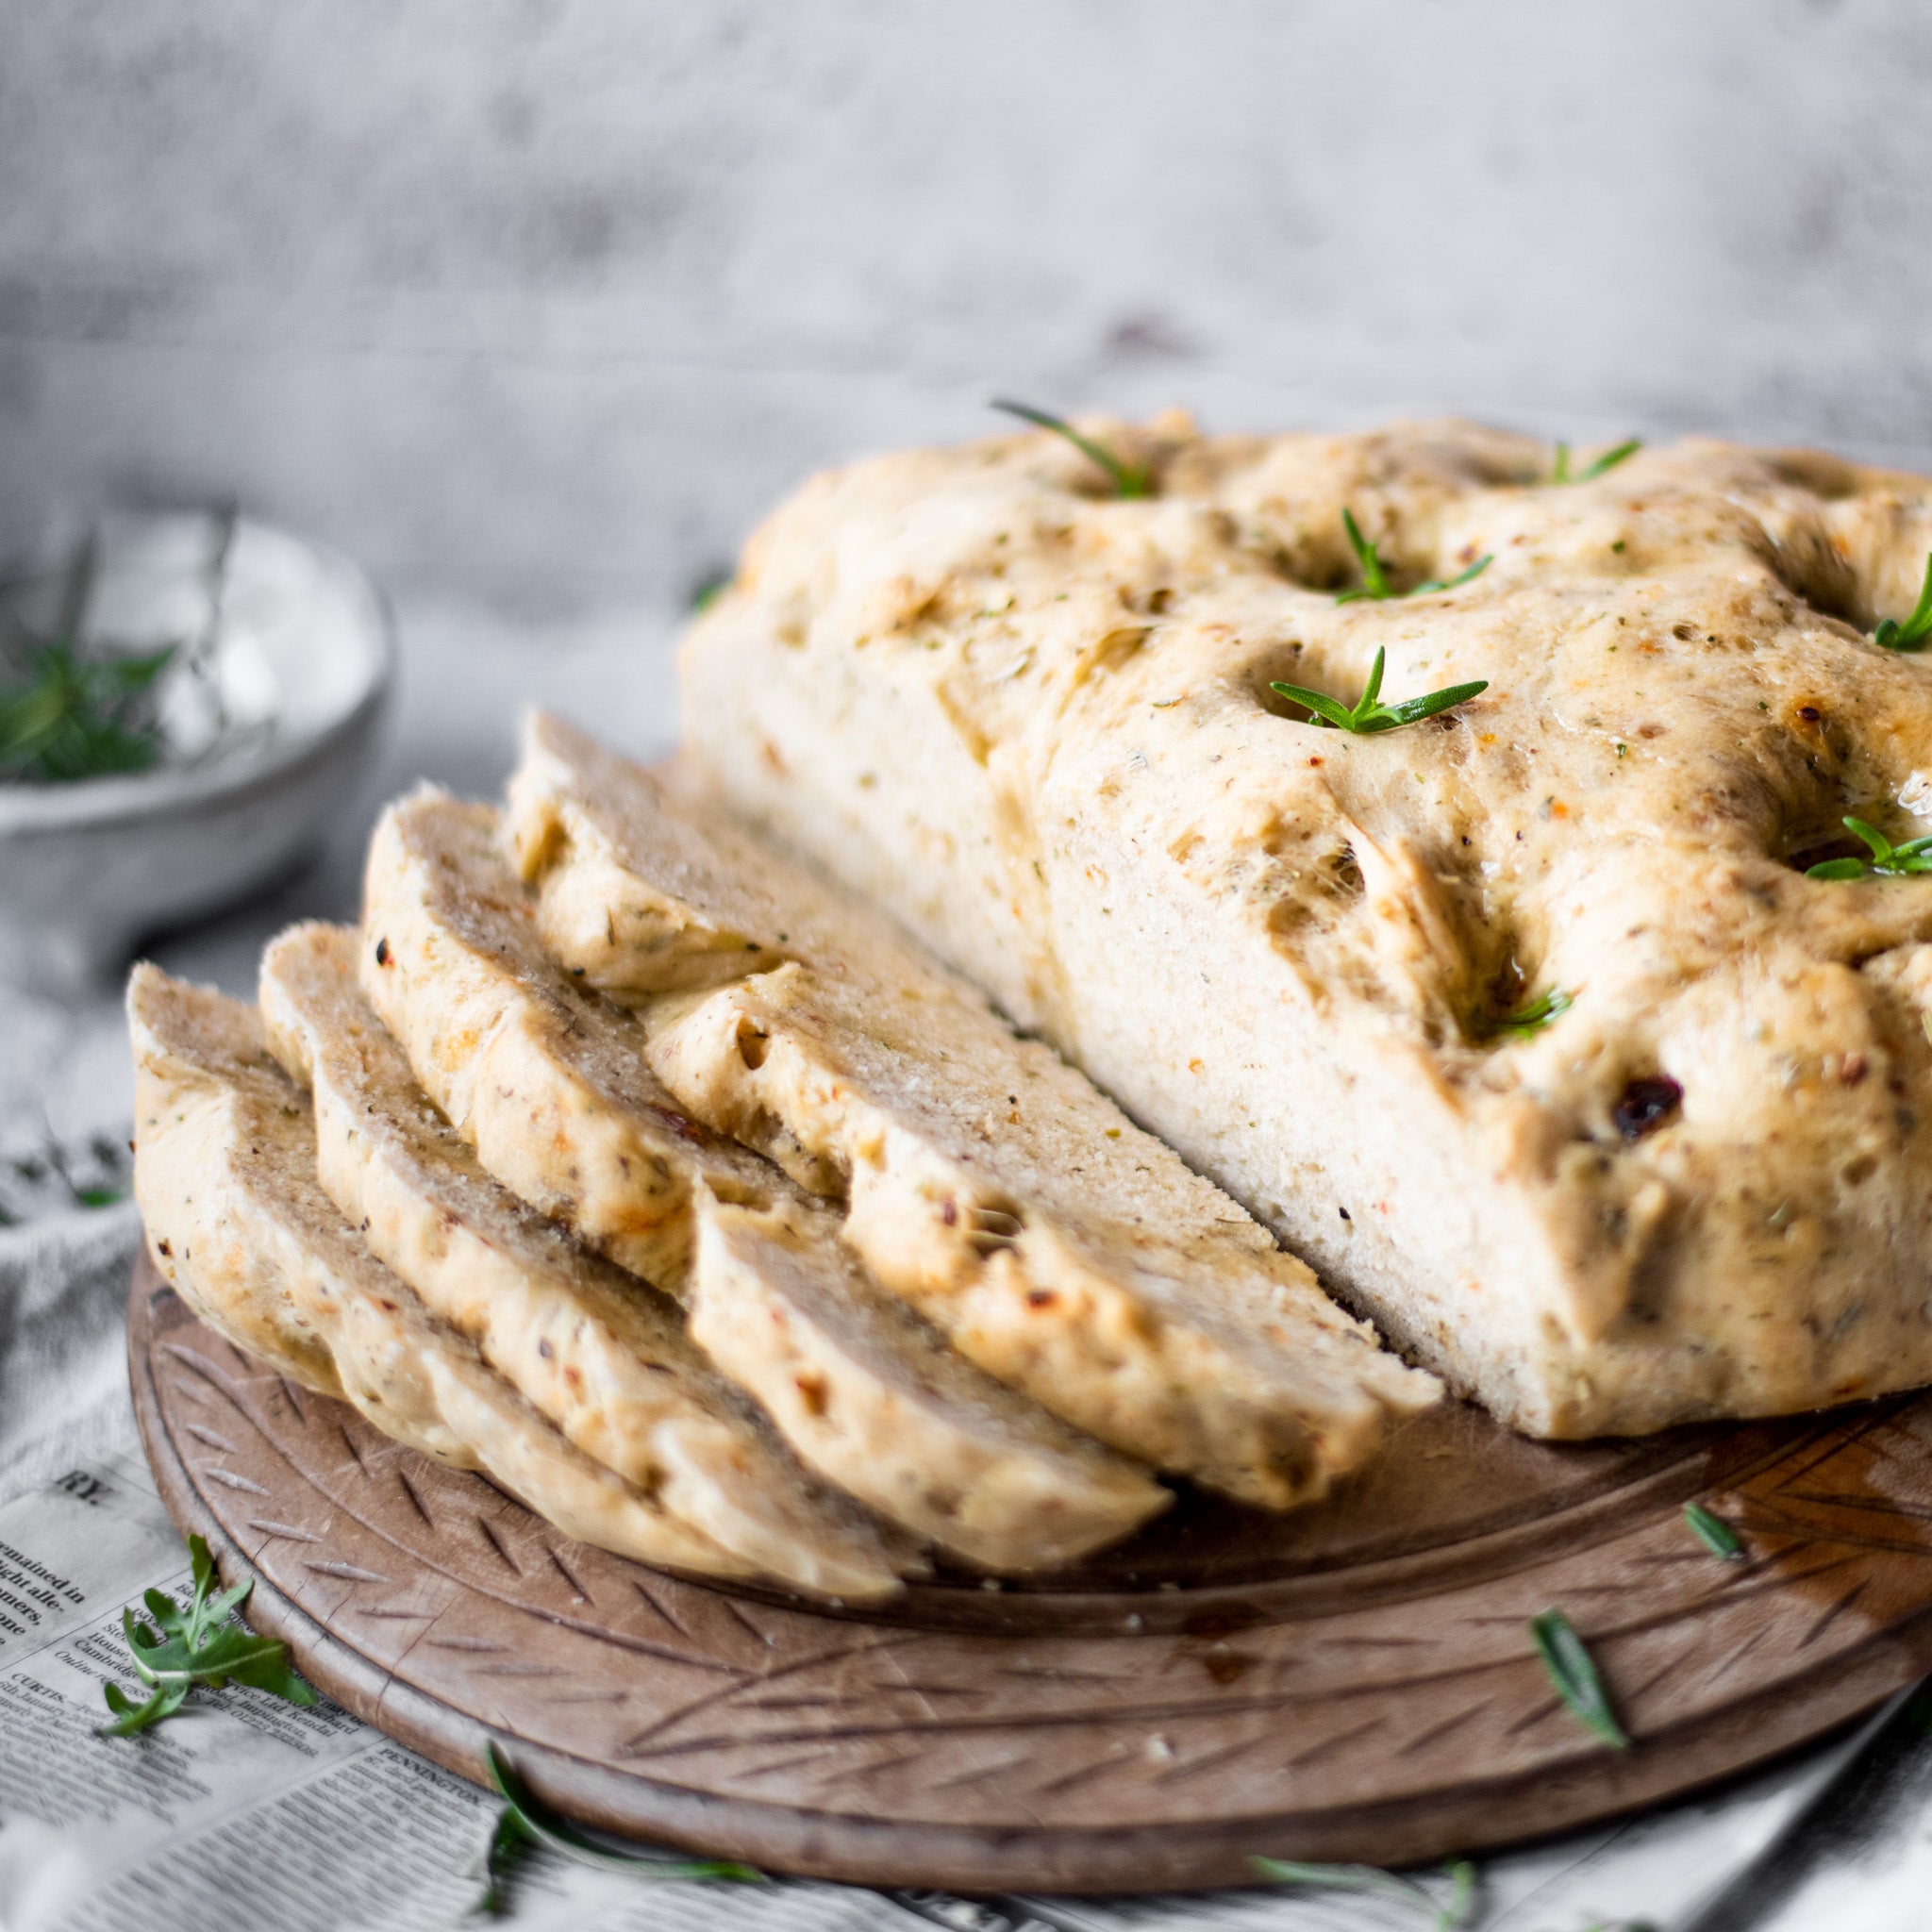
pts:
[1035, 721]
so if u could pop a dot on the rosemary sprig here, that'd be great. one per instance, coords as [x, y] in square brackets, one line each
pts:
[1529, 1019]
[525, 1821]
[1560, 471]
[1574, 1674]
[1129, 479]
[1369, 714]
[1375, 585]
[1888, 861]
[710, 587]
[51, 1176]
[1916, 631]
[72, 717]
[1715, 1533]
[198, 1645]
[1445, 1916]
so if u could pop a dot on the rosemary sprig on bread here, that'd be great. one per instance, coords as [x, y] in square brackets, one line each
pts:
[1129, 479]
[1916, 631]
[1375, 585]
[1560, 471]
[1369, 714]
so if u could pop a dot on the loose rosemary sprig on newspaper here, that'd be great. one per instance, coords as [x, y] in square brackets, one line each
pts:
[1375, 585]
[1369, 714]
[1129, 479]
[1445, 1915]
[198, 1645]
[525, 1821]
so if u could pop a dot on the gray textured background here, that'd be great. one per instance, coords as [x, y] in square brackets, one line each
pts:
[541, 303]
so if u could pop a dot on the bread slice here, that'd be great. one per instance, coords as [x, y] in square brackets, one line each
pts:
[1037, 724]
[548, 1081]
[876, 1400]
[603, 1355]
[1056, 1245]
[545, 1083]
[225, 1171]
[202, 1077]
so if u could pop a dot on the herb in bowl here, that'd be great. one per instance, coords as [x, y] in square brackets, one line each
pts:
[77, 713]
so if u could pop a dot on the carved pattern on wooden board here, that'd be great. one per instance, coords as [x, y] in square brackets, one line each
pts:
[1355, 1682]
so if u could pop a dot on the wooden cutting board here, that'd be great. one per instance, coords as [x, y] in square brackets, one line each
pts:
[1352, 1682]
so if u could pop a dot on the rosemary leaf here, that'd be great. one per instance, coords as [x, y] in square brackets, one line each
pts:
[1561, 472]
[1887, 860]
[526, 1821]
[509, 1845]
[1129, 479]
[1715, 1533]
[1916, 631]
[1574, 1674]
[1375, 585]
[1445, 1917]
[1369, 714]
[710, 587]
[1529, 1019]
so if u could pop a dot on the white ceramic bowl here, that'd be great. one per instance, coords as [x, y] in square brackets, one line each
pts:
[88, 868]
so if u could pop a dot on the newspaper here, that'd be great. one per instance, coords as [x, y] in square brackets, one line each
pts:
[246, 1812]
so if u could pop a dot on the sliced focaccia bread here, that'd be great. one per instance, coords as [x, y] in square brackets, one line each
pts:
[1056, 1245]
[1528, 1023]
[549, 1082]
[545, 1083]
[876, 1400]
[202, 1076]
[600, 1353]
[225, 1171]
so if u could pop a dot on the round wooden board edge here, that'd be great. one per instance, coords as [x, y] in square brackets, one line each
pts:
[1212, 1854]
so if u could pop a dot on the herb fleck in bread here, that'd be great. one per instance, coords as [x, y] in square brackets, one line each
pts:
[1058, 1246]
[1036, 723]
